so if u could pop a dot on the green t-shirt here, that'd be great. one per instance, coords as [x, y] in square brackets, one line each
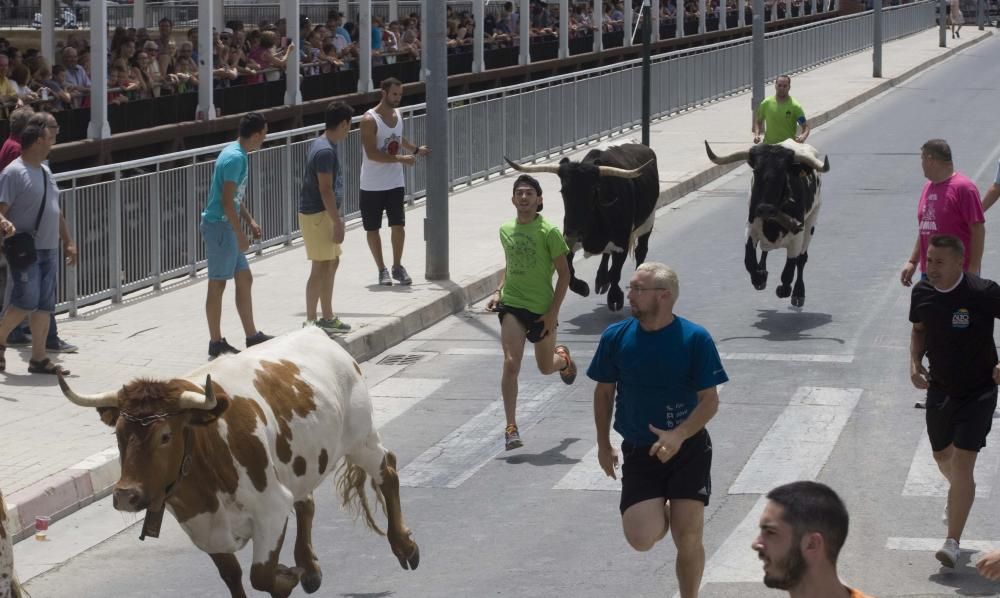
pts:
[780, 119]
[530, 250]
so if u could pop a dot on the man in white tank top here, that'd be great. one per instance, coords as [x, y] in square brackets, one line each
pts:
[382, 180]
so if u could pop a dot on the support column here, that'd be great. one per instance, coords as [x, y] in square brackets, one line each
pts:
[365, 45]
[564, 28]
[702, 15]
[723, 15]
[293, 70]
[598, 21]
[758, 72]
[877, 39]
[436, 224]
[815, 4]
[942, 23]
[478, 36]
[99, 127]
[679, 19]
[627, 25]
[394, 12]
[423, 38]
[343, 8]
[48, 48]
[654, 23]
[741, 18]
[524, 25]
[220, 14]
[206, 18]
[138, 15]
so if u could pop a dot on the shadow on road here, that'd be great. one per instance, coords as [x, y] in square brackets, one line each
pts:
[783, 326]
[964, 578]
[553, 456]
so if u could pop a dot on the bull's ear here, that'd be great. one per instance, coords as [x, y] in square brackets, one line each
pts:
[564, 160]
[109, 415]
[752, 157]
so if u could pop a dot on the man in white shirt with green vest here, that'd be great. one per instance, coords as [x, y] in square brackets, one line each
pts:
[780, 117]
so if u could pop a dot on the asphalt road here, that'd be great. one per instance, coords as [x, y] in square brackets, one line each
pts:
[823, 391]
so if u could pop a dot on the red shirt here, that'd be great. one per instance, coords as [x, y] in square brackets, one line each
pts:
[10, 151]
[950, 207]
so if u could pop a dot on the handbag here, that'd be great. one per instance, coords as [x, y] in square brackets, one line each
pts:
[19, 249]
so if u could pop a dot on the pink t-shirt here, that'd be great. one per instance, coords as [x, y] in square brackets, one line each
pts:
[950, 207]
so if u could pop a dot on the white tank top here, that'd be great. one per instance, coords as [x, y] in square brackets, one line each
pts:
[382, 176]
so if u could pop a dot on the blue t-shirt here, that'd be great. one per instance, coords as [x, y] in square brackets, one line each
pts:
[230, 166]
[343, 33]
[322, 158]
[657, 374]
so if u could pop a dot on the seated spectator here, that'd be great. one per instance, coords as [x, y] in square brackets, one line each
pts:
[76, 75]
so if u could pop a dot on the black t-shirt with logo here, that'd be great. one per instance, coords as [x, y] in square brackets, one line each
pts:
[959, 338]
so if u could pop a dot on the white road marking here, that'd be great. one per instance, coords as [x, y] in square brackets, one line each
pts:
[735, 561]
[788, 357]
[924, 478]
[468, 448]
[800, 440]
[932, 544]
[394, 396]
[588, 475]
[498, 352]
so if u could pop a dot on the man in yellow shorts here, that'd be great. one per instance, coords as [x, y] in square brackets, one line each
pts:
[320, 220]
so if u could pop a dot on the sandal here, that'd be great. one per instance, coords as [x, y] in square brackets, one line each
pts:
[3, 358]
[45, 366]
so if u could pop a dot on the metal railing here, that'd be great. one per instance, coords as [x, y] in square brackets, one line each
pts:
[137, 226]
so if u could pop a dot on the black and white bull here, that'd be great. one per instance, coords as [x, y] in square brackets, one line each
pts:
[784, 204]
[610, 202]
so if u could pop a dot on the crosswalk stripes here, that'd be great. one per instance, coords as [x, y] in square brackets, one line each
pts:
[394, 396]
[588, 475]
[924, 478]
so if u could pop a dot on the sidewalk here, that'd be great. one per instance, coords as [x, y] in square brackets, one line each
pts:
[56, 458]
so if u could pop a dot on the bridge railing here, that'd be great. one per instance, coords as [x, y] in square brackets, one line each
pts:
[136, 223]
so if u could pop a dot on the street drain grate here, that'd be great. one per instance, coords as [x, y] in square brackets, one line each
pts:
[402, 358]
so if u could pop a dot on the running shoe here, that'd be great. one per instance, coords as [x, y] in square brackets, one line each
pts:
[257, 339]
[568, 373]
[511, 438]
[58, 345]
[401, 276]
[216, 348]
[383, 277]
[949, 553]
[333, 325]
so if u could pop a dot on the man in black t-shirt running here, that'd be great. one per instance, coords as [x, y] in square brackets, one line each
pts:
[952, 314]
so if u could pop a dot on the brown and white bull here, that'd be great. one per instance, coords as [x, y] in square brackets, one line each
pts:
[9, 587]
[235, 446]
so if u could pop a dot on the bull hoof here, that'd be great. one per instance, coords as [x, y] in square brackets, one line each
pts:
[311, 581]
[759, 279]
[798, 301]
[579, 287]
[602, 288]
[783, 291]
[616, 299]
[413, 561]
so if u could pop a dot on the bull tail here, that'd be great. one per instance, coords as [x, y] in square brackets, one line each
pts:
[351, 480]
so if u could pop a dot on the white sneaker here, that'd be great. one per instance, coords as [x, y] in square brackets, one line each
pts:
[949, 553]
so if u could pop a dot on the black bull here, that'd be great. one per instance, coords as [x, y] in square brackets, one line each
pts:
[610, 202]
[784, 205]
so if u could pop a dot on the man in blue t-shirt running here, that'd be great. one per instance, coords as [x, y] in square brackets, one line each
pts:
[664, 370]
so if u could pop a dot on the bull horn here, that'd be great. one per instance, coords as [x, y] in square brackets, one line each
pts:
[810, 160]
[107, 399]
[194, 400]
[740, 156]
[623, 172]
[534, 168]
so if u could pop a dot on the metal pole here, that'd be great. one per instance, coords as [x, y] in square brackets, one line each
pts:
[563, 28]
[702, 9]
[979, 14]
[206, 105]
[647, 18]
[942, 23]
[877, 39]
[394, 12]
[741, 9]
[293, 70]
[99, 127]
[758, 56]
[478, 36]
[365, 47]
[524, 22]
[48, 28]
[139, 14]
[598, 21]
[629, 19]
[436, 224]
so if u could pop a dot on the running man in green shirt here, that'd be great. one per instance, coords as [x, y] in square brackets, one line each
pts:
[779, 116]
[526, 303]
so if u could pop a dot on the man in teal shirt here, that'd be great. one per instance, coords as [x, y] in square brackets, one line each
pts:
[779, 116]
[225, 241]
[527, 304]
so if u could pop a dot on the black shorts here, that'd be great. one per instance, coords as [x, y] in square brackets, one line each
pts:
[373, 203]
[528, 319]
[962, 421]
[687, 476]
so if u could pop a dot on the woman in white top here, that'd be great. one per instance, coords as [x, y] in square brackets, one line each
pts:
[955, 17]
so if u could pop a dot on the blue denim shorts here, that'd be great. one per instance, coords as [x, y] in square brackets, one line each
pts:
[34, 288]
[222, 250]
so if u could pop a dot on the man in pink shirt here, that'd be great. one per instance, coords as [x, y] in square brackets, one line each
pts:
[949, 205]
[11, 148]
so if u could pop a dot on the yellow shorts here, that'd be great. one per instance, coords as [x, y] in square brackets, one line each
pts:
[317, 232]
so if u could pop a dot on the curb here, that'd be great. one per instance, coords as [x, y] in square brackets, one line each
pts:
[90, 480]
